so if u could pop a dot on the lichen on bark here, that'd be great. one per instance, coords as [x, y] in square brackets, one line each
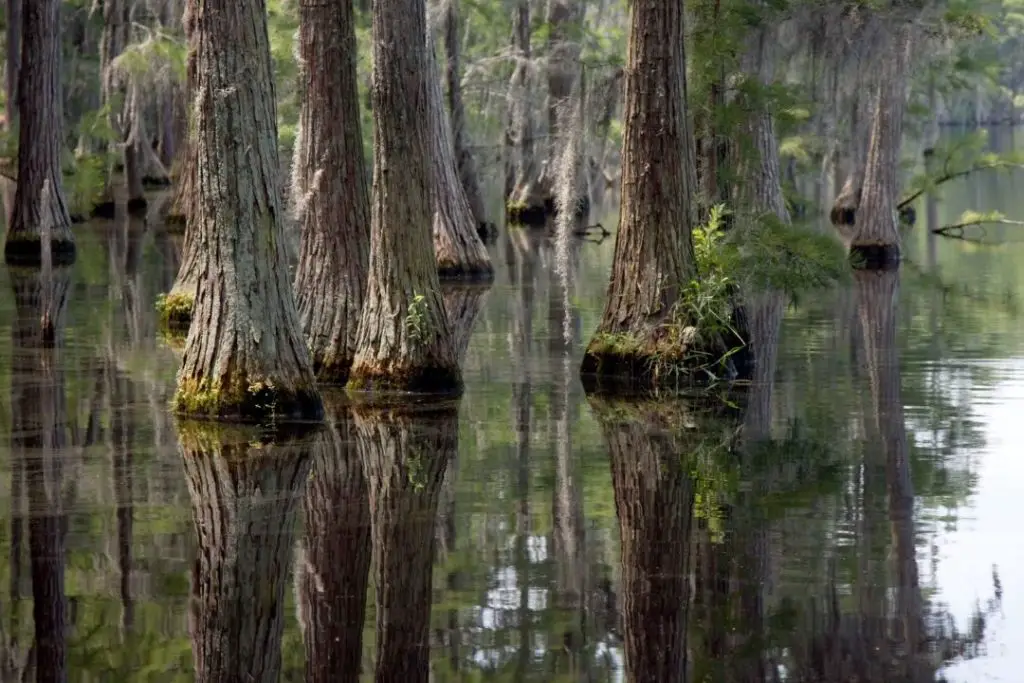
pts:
[244, 357]
[40, 220]
[329, 193]
[404, 339]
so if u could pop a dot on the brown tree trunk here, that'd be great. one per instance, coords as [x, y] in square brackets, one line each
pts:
[40, 221]
[453, 75]
[404, 339]
[875, 242]
[405, 452]
[654, 497]
[330, 195]
[333, 562]
[244, 356]
[653, 247]
[39, 436]
[244, 503]
[457, 245]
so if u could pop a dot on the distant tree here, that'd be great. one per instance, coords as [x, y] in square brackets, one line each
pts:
[40, 221]
[244, 357]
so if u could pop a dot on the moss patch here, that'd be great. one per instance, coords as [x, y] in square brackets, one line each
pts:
[246, 400]
[175, 312]
[28, 252]
[235, 441]
[419, 380]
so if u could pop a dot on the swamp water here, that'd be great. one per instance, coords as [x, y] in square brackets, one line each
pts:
[858, 507]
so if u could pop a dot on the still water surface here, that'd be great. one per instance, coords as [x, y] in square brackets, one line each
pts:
[853, 518]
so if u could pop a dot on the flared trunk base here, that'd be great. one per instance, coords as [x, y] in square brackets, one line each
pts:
[469, 272]
[247, 401]
[333, 371]
[415, 380]
[28, 251]
[875, 256]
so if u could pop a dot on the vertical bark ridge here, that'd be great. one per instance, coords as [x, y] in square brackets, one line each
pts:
[653, 246]
[519, 128]
[404, 340]
[405, 451]
[245, 499]
[458, 248]
[244, 356]
[333, 563]
[40, 220]
[330, 193]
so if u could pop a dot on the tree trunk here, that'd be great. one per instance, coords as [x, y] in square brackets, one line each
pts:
[244, 356]
[453, 75]
[39, 436]
[405, 452]
[244, 502]
[333, 562]
[404, 339]
[177, 211]
[654, 498]
[653, 247]
[13, 66]
[457, 245]
[330, 195]
[875, 242]
[519, 131]
[40, 221]
[563, 20]
[463, 304]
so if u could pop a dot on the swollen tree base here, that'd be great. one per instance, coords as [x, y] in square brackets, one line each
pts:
[415, 380]
[27, 251]
[247, 399]
[875, 256]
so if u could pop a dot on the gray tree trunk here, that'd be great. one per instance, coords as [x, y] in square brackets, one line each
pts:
[458, 248]
[244, 356]
[40, 221]
[404, 340]
[329, 191]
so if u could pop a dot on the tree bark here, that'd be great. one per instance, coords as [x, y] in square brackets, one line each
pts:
[519, 160]
[875, 242]
[653, 247]
[245, 495]
[39, 437]
[40, 221]
[457, 245]
[330, 194]
[654, 498]
[453, 75]
[13, 65]
[244, 356]
[405, 451]
[404, 340]
[333, 562]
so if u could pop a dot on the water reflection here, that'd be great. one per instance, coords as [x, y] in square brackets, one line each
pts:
[39, 435]
[333, 561]
[404, 450]
[246, 490]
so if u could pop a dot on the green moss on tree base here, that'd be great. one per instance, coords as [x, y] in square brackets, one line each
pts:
[421, 380]
[242, 441]
[246, 400]
[28, 252]
[175, 312]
